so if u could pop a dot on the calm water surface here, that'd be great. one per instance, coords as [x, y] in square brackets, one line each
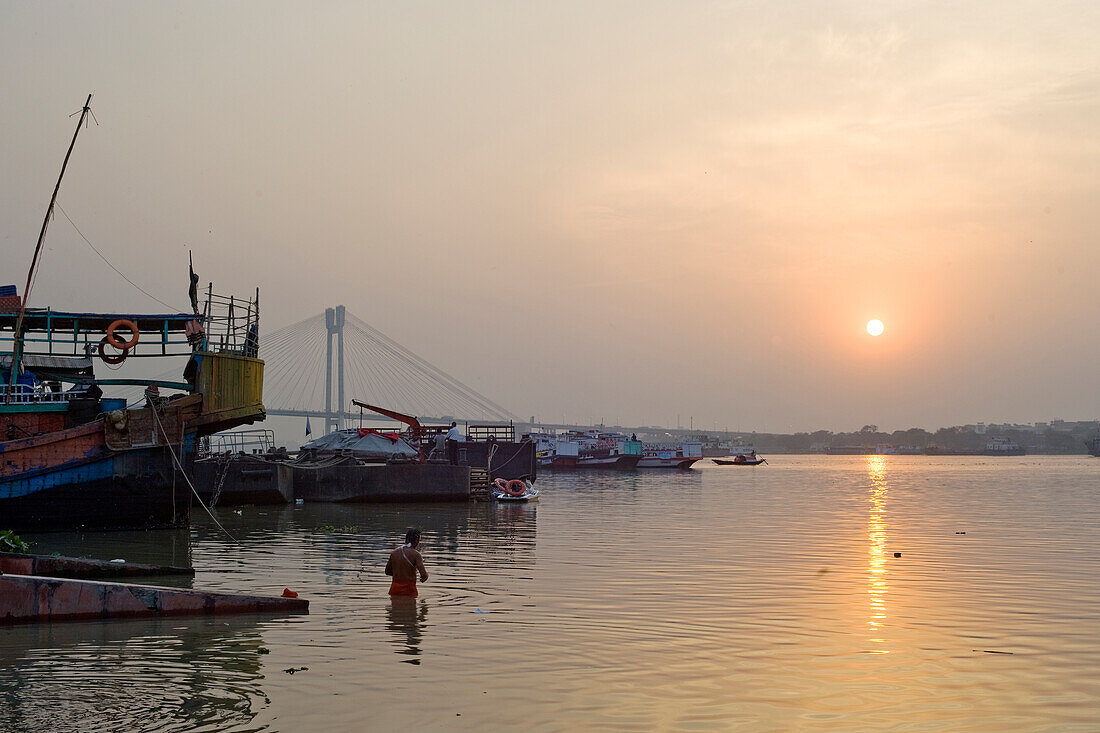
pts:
[723, 598]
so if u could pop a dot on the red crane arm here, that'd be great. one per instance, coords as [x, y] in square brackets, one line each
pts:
[409, 420]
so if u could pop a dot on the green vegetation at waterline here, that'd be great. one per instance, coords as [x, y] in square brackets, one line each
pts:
[11, 542]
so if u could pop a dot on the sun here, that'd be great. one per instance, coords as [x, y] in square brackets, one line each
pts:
[875, 327]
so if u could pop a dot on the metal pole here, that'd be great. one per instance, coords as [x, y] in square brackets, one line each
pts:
[17, 342]
[340, 364]
[330, 321]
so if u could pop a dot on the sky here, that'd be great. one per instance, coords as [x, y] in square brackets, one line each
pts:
[625, 212]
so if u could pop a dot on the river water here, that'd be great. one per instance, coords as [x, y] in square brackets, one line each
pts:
[723, 598]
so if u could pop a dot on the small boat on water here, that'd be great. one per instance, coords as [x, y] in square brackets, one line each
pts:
[739, 461]
[743, 455]
[514, 491]
[1092, 445]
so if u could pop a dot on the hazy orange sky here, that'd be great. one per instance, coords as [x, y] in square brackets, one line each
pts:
[622, 211]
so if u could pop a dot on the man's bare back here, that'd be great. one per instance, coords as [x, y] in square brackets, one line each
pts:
[404, 564]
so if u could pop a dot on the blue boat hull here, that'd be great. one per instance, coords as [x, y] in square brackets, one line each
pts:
[132, 489]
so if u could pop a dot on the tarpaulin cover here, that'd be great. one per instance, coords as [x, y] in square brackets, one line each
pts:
[362, 444]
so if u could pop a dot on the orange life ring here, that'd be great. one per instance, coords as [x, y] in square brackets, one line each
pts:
[119, 344]
[118, 359]
[500, 484]
[515, 487]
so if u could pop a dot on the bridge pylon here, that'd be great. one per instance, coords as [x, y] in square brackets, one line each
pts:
[334, 325]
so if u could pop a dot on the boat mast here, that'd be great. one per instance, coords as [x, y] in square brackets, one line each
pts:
[17, 344]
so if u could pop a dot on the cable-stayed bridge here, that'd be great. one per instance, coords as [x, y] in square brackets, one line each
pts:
[316, 366]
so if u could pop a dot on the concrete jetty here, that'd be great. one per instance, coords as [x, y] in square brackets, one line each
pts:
[32, 598]
[78, 567]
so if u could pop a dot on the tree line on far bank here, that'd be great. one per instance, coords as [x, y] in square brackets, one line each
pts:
[955, 438]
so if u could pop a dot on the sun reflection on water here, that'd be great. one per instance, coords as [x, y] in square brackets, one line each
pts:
[877, 586]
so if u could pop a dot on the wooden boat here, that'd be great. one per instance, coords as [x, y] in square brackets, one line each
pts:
[73, 459]
[735, 462]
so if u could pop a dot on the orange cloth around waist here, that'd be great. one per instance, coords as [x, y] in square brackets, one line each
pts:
[403, 588]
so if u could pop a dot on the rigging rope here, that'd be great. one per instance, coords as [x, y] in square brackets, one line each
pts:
[120, 273]
[168, 444]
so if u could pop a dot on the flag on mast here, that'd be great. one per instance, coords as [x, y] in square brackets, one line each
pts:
[308, 431]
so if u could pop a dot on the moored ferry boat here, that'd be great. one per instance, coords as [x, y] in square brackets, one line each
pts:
[555, 451]
[601, 450]
[670, 455]
[715, 447]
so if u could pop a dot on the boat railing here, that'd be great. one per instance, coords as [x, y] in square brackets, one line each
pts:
[226, 323]
[232, 324]
[23, 394]
[243, 441]
[499, 432]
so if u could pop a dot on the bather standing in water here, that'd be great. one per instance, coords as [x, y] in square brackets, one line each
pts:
[404, 564]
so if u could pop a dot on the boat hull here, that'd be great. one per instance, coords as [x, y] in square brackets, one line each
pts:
[238, 480]
[682, 464]
[139, 488]
[344, 480]
[609, 463]
[732, 462]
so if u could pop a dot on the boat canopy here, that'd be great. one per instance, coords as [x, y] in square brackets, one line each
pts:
[53, 366]
[46, 319]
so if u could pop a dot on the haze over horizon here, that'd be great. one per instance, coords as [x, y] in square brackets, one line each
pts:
[624, 212]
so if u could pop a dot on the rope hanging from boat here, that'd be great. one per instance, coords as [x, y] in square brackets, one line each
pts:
[194, 491]
[17, 350]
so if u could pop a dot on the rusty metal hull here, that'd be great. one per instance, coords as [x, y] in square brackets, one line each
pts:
[240, 479]
[349, 481]
[117, 471]
[139, 488]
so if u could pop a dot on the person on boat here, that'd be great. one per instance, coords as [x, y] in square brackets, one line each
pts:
[454, 437]
[404, 564]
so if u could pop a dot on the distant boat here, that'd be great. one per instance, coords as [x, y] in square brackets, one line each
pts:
[1093, 446]
[1002, 447]
[898, 450]
[739, 461]
[670, 455]
[588, 449]
[745, 455]
[715, 448]
[554, 451]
